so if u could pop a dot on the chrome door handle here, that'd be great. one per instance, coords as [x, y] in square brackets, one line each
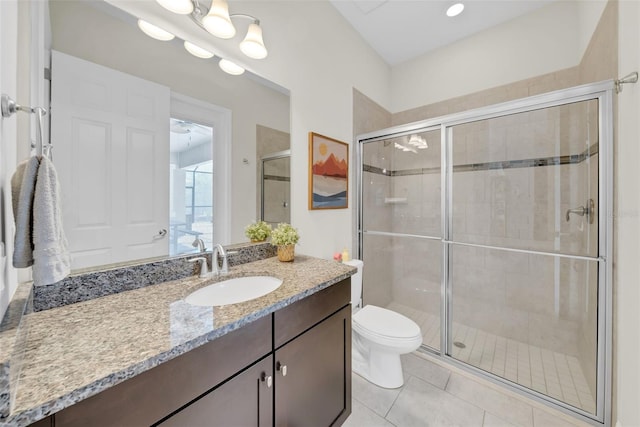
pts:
[588, 210]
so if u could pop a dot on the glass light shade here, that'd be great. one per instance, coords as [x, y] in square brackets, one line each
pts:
[230, 67]
[181, 7]
[218, 22]
[154, 32]
[196, 50]
[455, 10]
[252, 45]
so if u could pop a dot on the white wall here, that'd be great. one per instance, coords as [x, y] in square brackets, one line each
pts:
[8, 37]
[14, 131]
[541, 42]
[589, 13]
[627, 223]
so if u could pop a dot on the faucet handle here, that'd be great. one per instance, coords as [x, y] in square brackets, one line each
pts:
[204, 269]
[218, 250]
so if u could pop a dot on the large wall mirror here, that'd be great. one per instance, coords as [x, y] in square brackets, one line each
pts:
[159, 153]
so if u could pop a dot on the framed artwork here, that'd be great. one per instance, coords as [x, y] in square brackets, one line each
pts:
[328, 172]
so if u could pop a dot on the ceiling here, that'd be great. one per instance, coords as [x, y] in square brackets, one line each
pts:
[400, 30]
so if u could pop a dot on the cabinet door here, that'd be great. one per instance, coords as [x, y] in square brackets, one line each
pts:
[246, 400]
[313, 375]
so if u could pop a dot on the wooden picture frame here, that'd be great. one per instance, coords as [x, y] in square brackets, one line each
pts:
[328, 173]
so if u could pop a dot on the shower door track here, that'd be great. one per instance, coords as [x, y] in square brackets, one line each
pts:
[603, 92]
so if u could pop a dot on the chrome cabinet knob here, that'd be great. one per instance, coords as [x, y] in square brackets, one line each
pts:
[282, 368]
[267, 379]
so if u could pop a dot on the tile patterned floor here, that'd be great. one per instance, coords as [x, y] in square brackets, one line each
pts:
[436, 396]
[554, 374]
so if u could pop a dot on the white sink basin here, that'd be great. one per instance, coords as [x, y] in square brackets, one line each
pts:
[233, 291]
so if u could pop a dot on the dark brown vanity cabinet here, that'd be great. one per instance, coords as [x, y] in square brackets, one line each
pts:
[245, 400]
[291, 368]
[313, 375]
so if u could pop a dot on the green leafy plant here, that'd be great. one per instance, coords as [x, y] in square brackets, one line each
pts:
[284, 234]
[258, 231]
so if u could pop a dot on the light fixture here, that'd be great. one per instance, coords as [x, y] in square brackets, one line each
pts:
[230, 67]
[154, 32]
[404, 148]
[218, 22]
[252, 45]
[196, 50]
[181, 7]
[418, 141]
[455, 10]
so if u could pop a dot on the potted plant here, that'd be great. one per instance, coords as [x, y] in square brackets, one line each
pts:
[285, 238]
[258, 231]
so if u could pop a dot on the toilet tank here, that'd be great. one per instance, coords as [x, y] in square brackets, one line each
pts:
[356, 283]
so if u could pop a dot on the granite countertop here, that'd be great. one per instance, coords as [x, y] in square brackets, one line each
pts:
[76, 351]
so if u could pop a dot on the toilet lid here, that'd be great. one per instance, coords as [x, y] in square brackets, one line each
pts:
[385, 322]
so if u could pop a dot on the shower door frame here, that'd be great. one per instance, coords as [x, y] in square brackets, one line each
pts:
[284, 154]
[603, 92]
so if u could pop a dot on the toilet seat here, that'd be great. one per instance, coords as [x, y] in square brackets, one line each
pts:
[385, 326]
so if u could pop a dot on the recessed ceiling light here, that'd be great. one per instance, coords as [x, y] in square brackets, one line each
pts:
[455, 10]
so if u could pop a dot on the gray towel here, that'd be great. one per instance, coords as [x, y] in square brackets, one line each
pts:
[23, 185]
[51, 257]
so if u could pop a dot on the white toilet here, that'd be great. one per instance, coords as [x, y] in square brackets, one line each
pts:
[380, 336]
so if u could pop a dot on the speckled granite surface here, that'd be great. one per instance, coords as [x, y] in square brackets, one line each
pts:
[75, 351]
[95, 284]
[12, 335]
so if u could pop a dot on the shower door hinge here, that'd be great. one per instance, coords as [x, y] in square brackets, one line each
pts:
[47, 73]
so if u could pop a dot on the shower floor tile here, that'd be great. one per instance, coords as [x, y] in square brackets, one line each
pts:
[554, 374]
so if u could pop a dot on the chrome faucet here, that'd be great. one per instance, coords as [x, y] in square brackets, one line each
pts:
[204, 269]
[198, 243]
[218, 250]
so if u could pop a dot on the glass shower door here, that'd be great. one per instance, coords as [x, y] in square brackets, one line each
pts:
[402, 249]
[276, 189]
[523, 249]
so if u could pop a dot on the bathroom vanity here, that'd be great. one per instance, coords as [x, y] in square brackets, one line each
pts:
[282, 359]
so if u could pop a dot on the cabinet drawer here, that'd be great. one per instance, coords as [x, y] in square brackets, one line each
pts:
[293, 320]
[152, 395]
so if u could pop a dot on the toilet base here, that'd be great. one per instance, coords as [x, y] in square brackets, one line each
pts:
[380, 368]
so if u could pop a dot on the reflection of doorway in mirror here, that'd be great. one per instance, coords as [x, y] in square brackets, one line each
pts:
[191, 189]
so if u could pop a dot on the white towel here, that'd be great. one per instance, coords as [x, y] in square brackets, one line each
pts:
[23, 185]
[50, 253]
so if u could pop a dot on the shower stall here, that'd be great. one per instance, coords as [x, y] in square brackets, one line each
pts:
[491, 229]
[275, 188]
